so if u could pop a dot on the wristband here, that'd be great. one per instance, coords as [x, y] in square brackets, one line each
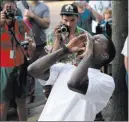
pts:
[65, 49]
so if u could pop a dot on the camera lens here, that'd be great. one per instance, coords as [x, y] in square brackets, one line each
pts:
[64, 29]
[9, 12]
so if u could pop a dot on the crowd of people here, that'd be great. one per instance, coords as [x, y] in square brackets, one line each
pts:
[67, 60]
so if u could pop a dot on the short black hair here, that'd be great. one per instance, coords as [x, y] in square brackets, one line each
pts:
[110, 50]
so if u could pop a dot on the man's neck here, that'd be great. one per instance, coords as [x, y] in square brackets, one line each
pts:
[73, 31]
[95, 66]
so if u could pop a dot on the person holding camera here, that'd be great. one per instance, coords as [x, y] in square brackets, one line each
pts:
[78, 93]
[65, 31]
[16, 46]
[62, 34]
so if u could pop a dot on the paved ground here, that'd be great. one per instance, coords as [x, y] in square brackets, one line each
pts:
[35, 113]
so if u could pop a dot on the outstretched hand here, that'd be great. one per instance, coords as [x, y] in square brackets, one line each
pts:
[77, 44]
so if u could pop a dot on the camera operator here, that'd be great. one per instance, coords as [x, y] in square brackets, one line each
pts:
[69, 17]
[14, 60]
[63, 33]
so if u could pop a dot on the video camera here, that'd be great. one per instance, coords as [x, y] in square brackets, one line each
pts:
[104, 28]
[10, 14]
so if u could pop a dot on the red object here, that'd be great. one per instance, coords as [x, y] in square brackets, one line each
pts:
[28, 23]
[76, 65]
[6, 47]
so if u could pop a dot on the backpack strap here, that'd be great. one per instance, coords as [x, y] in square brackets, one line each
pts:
[21, 27]
[25, 4]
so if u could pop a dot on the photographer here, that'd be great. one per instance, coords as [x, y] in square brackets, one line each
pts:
[69, 17]
[63, 33]
[17, 45]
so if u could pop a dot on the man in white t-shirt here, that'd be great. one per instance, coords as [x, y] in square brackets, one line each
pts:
[79, 93]
[126, 55]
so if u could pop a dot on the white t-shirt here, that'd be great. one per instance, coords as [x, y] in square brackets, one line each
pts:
[66, 105]
[124, 51]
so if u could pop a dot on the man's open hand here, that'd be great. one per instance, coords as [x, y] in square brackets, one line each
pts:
[28, 13]
[88, 47]
[77, 43]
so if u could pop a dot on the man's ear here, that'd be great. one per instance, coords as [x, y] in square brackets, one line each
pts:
[104, 56]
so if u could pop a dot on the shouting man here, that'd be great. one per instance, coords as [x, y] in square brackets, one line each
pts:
[78, 93]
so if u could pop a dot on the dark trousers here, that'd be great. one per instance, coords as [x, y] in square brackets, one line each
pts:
[39, 52]
[99, 117]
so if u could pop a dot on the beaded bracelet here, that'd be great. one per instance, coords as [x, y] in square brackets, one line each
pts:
[65, 49]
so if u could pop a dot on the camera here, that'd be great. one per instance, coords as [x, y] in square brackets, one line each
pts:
[104, 28]
[9, 13]
[64, 28]
[24, 44]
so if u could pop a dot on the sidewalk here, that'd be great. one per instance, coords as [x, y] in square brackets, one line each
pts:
[35, 113]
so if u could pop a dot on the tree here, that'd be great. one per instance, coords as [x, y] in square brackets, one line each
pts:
[119, 103]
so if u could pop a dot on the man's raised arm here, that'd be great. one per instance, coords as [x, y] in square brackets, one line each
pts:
[79, 79]
[38, 68]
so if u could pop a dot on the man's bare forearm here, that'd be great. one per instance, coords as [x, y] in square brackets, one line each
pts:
[56, 46]
[44, 63]
[42, 22]
[98, 17]
[79, 80]
[126, 63]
